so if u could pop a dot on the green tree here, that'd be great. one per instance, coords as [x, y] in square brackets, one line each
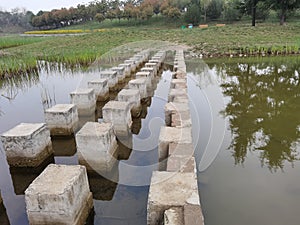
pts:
[193, 13]
[99, 17]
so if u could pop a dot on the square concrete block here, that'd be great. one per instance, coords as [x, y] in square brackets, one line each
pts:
[139, 84]
[100, 87]
[177, 114]
[176, 93]
[96, 146]
[118, 113]
[150, 70]
[168, 190]
[85, 100]
[111, 76]
[181, 163]
[152, 65]
[62, 119]
[178, 84]
[60, 195]
[127, 67]
[132, 96]
[121, 74]
[172, 135]
[132, 64]
[27, 144]
[181, 149]
[146, 75]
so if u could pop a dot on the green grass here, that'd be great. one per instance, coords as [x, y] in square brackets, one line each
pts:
[20, 53]
[13, 41]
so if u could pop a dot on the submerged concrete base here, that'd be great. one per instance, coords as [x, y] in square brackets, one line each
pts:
[60, 195]
[97, 145]
[62, 119]
[27, 144]
[168, 190]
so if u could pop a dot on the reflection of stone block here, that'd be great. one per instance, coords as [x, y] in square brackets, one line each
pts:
[85, 100]
[27, 144]
[133, 98]
[118, 113]
[62, 119]
[60, 195]
[23, 177]
[139, 84]
[64, 146]
[100, 87]
[96, 146]
[168, 190]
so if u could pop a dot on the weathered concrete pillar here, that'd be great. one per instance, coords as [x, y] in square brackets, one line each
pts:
[97, 146]
[156, 61]
[139, 84]
[150, 70]
[27, 144]
[85, 100]
[152, 65]
[111, 76]
[132, 64]
[60, 195]
[175, 94]
[172, 189]
[118, 113]
[62, 119]
[177, 114]
[178, 84]
[145, 75]
[100, 87]
[121, 74]
[127, 68]
[131, 96]
[171, 135]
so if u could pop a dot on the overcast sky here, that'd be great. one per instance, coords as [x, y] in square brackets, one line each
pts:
[37, 5]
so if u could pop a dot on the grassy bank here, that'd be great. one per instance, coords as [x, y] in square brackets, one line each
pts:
[19, 54]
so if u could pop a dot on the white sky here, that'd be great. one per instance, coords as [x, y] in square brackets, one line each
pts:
[37, 5]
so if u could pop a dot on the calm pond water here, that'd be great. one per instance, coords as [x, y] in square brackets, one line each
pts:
[248, 139]
[119, 200]
[246, 128]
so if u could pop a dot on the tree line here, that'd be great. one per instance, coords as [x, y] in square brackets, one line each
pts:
[192, 11]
